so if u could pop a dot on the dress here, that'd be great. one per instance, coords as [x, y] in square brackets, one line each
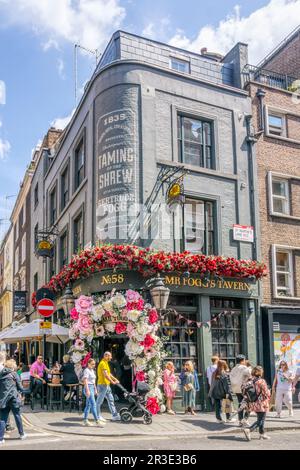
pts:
[189, 397]
[169, 378]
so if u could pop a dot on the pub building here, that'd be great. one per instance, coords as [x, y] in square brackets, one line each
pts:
[153, 115]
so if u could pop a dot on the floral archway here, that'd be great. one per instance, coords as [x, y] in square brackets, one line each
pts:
[118, 314]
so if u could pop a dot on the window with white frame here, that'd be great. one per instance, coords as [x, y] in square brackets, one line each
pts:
[284, 278]
[23, 254]
[276, 123]
[280, 195]
[180, 65]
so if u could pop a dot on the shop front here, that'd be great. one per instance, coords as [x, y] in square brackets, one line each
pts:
[281, 333]
[203, 318]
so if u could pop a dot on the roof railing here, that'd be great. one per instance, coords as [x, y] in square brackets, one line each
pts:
[267, 77]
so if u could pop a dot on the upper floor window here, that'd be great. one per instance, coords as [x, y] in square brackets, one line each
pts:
[78, 234]
[17, 260]
[79, 164]
[276, 123]
[195, 139]
[284, 273]
[64, 249]
[21, 219]
[36, 235]
[180, 65]
[280, 196]
[53, 207]
[52, 263]
[36, 282]
[36, 195]
[199, 230]
[23, 248]
[65, 188]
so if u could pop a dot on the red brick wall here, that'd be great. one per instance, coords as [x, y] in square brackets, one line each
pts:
[287, 60]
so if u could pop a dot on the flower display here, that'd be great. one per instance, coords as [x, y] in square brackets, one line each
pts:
[149, 262]
[106, 315]
[152, 405]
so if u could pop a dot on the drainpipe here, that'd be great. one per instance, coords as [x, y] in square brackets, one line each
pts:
[260, 95]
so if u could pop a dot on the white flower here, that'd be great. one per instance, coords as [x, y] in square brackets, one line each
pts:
[133, 315]
[133, 349]
[108, 306]
[110, 327]
[97, 312]
[73, 332]
[159, 381]
[162, 409]
[151, 374]
[76, 357]
[119, 300]
[140, 363]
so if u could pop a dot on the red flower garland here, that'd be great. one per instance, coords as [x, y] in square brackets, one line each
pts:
[152, 405]
[148, 262]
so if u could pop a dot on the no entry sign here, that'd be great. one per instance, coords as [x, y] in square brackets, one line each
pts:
[46, 307]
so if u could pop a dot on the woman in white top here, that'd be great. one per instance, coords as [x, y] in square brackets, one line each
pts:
[283, 384]
[90, 391]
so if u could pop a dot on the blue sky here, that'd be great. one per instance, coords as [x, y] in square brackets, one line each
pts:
[36, 55]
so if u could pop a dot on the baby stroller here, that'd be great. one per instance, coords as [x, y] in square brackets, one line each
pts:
[137, 401]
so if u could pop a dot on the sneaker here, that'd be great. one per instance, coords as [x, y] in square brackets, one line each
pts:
[170, 412]
[2, 442]
[247, 434]
[23, 436]
[245, 422]
[230, 420]
[264, 436]
[6, 436]
[100, 423]
[291, 413]
[116, 418]
[220, 421]
[102, 419]
[87, 423]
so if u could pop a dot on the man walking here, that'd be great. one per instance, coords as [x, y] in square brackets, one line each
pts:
[240, 374]
[105, 378]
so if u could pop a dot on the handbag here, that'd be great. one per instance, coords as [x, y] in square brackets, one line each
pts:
[188, 387]
[173, 386]
[227, 406]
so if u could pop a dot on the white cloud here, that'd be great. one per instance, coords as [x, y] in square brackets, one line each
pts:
[85, 21]
[4, 148]
[61, 123]
[158, 29]
[50, 44]
[148, 31]
[262, 30]
[61, 68]
[2, 92]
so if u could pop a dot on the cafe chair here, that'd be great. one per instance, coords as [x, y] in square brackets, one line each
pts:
[54, 396]
[71, 389]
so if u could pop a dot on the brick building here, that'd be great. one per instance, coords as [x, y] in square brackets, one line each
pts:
[276, 130]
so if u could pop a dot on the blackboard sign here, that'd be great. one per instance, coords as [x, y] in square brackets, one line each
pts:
[20, 301]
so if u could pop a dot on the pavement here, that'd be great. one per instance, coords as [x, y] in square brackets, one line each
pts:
[163, 424]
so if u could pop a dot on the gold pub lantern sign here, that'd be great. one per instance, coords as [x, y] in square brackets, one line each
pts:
[175, 194]
[44, 248]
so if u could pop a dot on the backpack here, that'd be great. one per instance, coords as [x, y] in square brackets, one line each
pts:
[250, 391]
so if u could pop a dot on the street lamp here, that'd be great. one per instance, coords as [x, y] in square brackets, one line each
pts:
[159, 292]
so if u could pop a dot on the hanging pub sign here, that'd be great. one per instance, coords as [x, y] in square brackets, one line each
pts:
[20, 301]
[44, 248]
[175, 194]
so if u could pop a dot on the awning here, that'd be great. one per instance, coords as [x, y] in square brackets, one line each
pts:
[31, 331]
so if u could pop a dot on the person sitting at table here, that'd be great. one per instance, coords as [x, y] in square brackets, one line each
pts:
[37, 374]
[68, 374]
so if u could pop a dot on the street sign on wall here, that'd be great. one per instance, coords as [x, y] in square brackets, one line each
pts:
[45, 328]
[46, 307]
[243, 233]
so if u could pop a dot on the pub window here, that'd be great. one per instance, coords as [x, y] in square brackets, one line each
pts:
[180, 65]
[52, 263]
[198, 226]
[276, 123]
[280, 196]
[226, 330]
[53, 207]
[79, 164]
[78, 234]
[65, 188]
[181, 345]
[64, 249]
[284, 278]
[195, 141]
[36, 195]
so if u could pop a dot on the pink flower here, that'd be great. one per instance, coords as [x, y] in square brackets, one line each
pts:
[132, 296]
[84, 325]
[85, 360]
[136, 305]
[79, 344]
[148, 341]
[130, 330]
[140, 376]
[84, 304]
[150, 353]
[99, 330]
[74, 314]
[120, 328]
[153, 316]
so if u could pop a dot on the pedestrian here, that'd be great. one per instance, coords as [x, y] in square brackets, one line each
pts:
[10, 400]
[221, 389]
[37, 376]
[238, 375]
[211, 369]
[283, 387]
[258, 397]
[90, 392]
[189, 386]
[105, 379]
[69, 376]
[170, 385]
[2, 423]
